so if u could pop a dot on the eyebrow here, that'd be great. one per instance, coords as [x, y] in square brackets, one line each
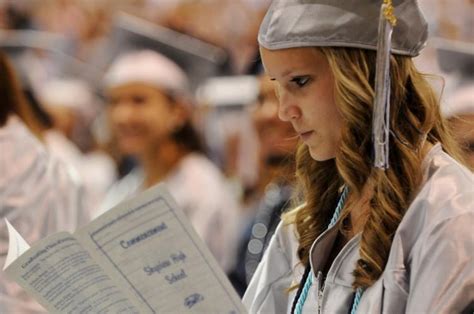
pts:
[288, 72]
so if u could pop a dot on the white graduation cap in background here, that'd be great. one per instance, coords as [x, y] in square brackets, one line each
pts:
[228, 91]
[455, 55]
[198, 59]
[18, 43]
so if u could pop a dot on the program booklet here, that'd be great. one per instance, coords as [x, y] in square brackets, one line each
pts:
[142, 256]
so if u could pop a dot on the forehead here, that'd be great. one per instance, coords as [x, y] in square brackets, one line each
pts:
[283, 62]
[135, 88]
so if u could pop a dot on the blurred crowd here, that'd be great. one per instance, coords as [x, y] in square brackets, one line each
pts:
[101, 99]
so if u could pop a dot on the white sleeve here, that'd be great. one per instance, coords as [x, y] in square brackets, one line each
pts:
[442, 279]
[268, 289]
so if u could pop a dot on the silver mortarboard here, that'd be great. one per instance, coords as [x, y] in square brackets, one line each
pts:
[341, 23]
[365, 24]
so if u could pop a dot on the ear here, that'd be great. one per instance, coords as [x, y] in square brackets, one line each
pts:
[181, 114]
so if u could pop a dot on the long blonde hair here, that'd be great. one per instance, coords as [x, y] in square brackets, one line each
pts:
[415, 117]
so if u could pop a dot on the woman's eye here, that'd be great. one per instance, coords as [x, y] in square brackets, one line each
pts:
[138, 100]
[300, 81]
[112, 101]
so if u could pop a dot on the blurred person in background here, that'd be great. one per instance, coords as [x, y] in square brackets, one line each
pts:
[38, 193]
[277, 140]
[59, 16]
[150, 116]
[73, 107]
[229, 24]
[91, 40]
[13, 16]
[459, 110]
[3, 16]
[450, 54]
[450, 19]
[272, 191]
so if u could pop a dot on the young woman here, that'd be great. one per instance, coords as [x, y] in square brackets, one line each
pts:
[151, 120]
[365, 239]
[38, 194]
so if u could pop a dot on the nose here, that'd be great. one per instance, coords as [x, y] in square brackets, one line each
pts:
[121, 114]
[288, 110]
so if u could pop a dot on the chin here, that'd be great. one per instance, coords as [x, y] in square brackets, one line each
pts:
[321, 155]
[130, 149]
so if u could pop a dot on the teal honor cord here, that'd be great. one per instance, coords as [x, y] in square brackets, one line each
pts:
[309, 279]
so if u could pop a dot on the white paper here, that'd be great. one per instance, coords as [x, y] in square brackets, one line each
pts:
[61, 275]
[16, 245]
[149, 246]
[142, 256]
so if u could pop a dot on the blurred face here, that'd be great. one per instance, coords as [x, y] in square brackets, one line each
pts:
[304, 86]
[63, 118]
[141, 117]
[277, 138]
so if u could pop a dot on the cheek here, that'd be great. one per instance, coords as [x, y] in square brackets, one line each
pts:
[159, 121]
[323, 107]
[114, 117]
[334, 121]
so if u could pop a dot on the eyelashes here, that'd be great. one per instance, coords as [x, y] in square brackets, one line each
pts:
[300, 81]
[294, 84]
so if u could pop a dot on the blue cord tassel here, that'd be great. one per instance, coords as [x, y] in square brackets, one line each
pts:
[339, 207]
[357, 297]
[309, 280]
[304, 294]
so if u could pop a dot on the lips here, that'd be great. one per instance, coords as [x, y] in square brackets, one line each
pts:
[125, 131]
[305, 135]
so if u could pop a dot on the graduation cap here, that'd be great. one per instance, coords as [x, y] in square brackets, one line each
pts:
[229, 91]
[15, 43]
[198, 59]
[455, 56]
[388, 26]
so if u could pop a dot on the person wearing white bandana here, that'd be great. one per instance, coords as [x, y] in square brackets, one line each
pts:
[151, 119]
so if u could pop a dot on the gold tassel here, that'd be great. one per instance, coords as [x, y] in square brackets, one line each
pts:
[388, 12]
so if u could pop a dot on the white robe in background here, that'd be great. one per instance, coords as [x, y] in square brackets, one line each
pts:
[205, 197]
[38, 195]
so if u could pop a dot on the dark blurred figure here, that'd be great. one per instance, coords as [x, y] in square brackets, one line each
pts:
[272, 193]
[14, 17]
